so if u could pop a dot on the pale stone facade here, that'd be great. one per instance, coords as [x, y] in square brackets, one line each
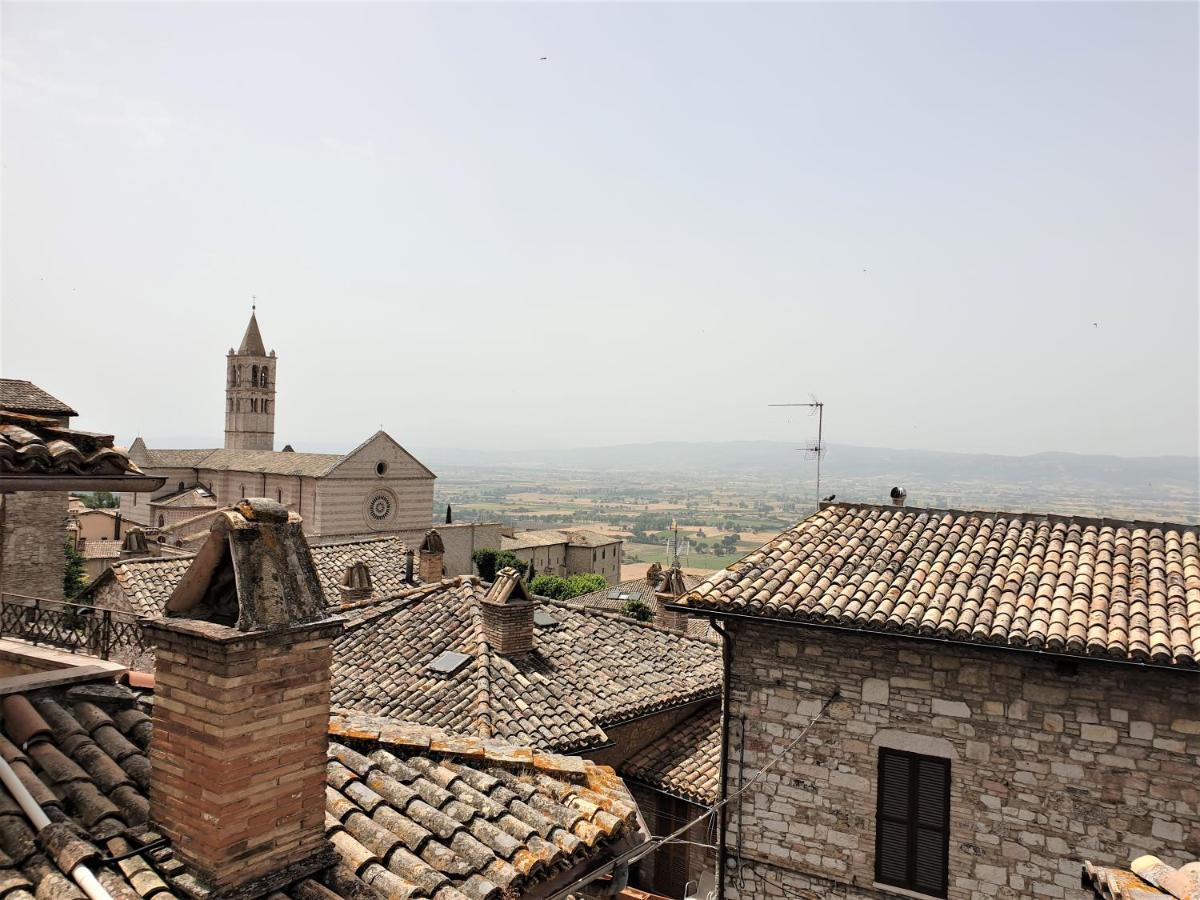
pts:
[1050, 759]
[568, 551]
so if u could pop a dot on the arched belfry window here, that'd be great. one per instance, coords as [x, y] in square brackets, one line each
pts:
[262, 377]
[254, 376]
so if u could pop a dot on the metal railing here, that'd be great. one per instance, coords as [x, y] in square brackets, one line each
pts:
[74, 627]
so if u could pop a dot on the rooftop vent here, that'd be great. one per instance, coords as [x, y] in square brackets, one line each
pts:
[898, 495]
[356, 583]
[448, 663]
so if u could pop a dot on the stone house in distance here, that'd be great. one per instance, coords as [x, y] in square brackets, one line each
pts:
[956, 704]
[568, 551]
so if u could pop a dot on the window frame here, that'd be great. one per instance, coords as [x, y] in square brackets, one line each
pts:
[912, 822]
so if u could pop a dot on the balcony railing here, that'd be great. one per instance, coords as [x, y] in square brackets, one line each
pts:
[72, 626]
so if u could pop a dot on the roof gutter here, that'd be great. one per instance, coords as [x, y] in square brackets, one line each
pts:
[10, 483]
[931, 639]
[723, 789]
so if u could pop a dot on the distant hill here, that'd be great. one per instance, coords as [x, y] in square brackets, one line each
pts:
[779, 459]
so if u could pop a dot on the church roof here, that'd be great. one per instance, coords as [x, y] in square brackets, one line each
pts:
[252, 342]
[272, 462]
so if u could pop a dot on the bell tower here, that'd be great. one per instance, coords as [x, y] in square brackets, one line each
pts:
[250, 393]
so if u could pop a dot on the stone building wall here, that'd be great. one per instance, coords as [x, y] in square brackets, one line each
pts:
[33, 543]
[604, 561]
[1051, 761]
[632, 736]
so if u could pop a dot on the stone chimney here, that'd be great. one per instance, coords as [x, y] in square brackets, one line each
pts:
[433, 555]
[898, 496]
[670, 590]
[355, 584]
[508, 615]
[408, 566]
[241, 707]
[134, 544]
[654, 574]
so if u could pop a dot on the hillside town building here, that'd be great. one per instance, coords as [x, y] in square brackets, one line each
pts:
[567, 551]
[952, 702]
[377, 488]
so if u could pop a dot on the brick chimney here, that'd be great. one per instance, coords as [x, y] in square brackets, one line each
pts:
[433, 555]
[241, 707]
[355, 584]
[508, 615]
[670, 590]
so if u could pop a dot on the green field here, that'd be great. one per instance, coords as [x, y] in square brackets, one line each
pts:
[657, 553]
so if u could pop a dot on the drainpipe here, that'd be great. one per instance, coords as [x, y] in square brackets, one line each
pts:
[727, 664]
[81, 874]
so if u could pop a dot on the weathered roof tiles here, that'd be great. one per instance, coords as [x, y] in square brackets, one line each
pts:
[1119, 590]
[411, 813]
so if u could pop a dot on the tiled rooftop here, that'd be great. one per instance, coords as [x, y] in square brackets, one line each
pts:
[410, 814]
[590, 670]
[26, 397]
[37, 448]
[1147, 877]
[685, 762]
[1119, 590]
[148, 583]
[188, 498]
[101, 549]
[614, 598]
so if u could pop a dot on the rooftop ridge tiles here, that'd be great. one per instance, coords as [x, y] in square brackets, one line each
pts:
[624, 620]
[1072, 519]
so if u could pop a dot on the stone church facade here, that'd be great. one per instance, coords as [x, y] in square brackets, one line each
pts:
[376, 488]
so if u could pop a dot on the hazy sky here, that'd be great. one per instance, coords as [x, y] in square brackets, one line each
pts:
[963, 226]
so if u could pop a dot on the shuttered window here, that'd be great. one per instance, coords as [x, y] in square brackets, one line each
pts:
[912, 827]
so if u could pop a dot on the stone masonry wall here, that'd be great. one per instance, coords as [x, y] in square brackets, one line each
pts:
[1051, 762]
[33, 543]
[630, 737]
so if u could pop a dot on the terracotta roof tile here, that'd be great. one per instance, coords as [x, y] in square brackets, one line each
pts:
[1147, 877]
[493, 822]
[26, 397]
[685, 762]
[148, 583]
[592, 669]
[1094, 587]
[35, 446]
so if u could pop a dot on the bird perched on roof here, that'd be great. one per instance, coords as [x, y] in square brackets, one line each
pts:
[829, 499]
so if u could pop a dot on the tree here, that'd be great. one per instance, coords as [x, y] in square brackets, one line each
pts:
[548, 585]
[74, 574]
[637, 608]
[449, 515]
[489, 562]
[585, 583]
[100, 500]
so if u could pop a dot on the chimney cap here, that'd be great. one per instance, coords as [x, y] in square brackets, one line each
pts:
[898, 494]
[673, 583]
[508, 589]
[433, 542]
[357, 575]
[253, 572]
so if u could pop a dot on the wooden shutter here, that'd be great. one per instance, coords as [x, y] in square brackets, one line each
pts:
[912, 828]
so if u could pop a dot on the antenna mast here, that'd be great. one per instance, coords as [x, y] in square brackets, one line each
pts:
[817, 450]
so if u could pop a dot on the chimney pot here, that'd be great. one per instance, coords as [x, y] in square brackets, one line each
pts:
[433, 556]
[355, 584]
[672, 588]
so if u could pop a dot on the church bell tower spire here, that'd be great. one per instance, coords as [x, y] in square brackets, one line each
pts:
[250, 392]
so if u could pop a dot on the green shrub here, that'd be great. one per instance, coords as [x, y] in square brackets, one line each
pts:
[547, 585]
[637, 608]
[489, 562]
[583, 584]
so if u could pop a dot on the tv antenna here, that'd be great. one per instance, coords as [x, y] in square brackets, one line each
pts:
[813, 451]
